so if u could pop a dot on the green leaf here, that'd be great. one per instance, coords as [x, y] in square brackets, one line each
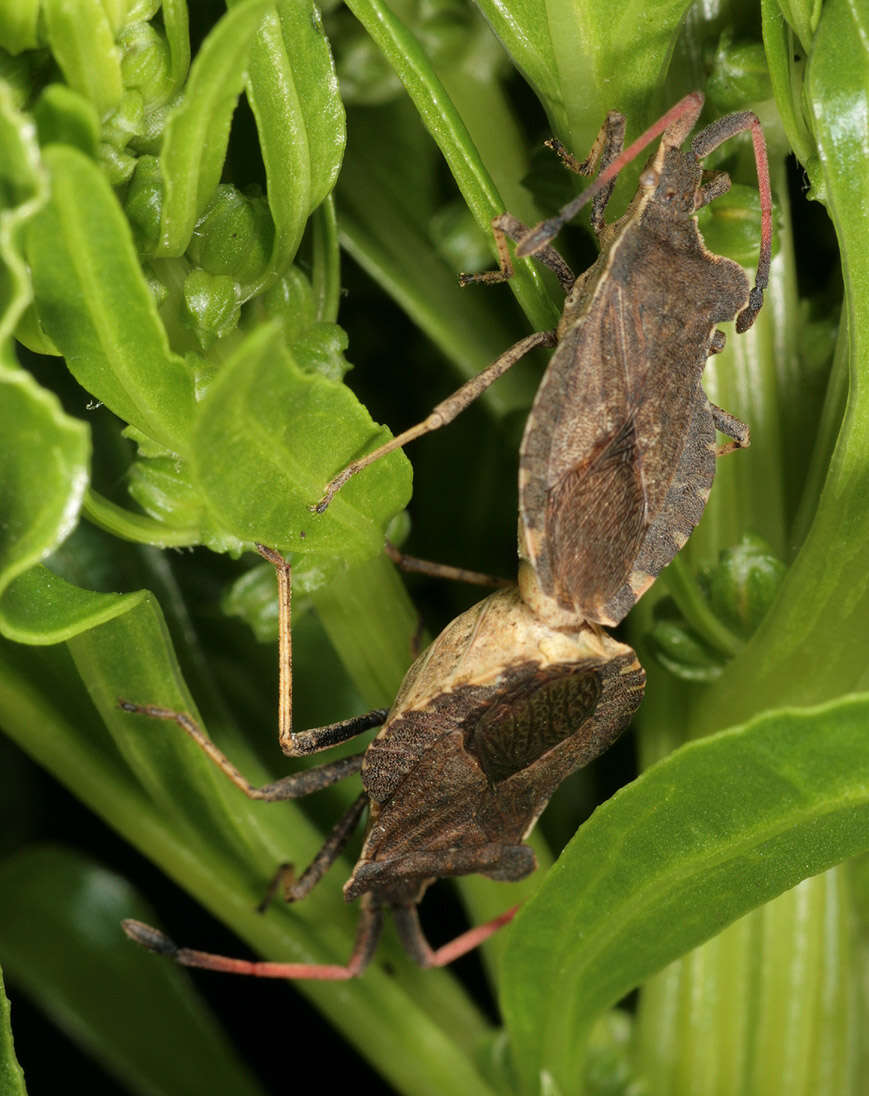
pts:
[25, 188]
[64, 117]
[525, 33]
[19, 26]
[41, 607]
[702, 837]
[786, 59]
[94, 302]
[73, 960]
[176, 27]
[41, 444]
[293, 93]
[11, 1075]
[326, 261]
[129, 525]
[197, 132]
[266, 441]
[83, 43]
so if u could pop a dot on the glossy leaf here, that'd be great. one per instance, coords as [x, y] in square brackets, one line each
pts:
[103, 630]
[41, 444]
[129, 525]
[73, 960]
[702, 837]
[94, 302]
[40, 607]
[26, 188]
[293, 93]
[786, 61]
[11, 1076]
[83, 42]
[266, 441]
[197, 132]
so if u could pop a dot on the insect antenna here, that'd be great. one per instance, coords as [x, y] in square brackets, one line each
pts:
[687, 108]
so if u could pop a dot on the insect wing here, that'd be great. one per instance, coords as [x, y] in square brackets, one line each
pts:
[531, 718]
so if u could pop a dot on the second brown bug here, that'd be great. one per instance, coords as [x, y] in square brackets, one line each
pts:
[488, 722]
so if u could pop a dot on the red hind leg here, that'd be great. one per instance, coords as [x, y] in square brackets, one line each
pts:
[417, 947]
[367, 935]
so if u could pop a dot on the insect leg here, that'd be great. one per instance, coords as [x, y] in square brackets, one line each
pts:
[443, 413]
[675, 126]
[607, 147]
[295, 889]
[294, 744]
[505, 265]
[733, 427]
[505, 226]
[442, 570]
[289, 787]
[704, 143]
[717, 343]
[713, 188]
[302, 743]
[418, 948]
[367, 935]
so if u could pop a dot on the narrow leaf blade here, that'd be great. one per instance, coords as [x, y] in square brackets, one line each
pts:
[196, 136]
[11, 1077]
[293, 91]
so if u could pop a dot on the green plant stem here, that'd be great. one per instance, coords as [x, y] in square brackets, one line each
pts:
[370, 621]
[777, 988]
[326, 262]
[448, 129]
[682, 585]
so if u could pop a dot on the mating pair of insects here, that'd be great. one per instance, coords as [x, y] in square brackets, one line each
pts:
[615, 468]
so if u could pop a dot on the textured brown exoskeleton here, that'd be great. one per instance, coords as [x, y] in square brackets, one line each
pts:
[619, 449]
[489, 720]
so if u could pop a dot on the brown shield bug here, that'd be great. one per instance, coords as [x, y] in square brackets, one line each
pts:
[489, 720]
[619, 449]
